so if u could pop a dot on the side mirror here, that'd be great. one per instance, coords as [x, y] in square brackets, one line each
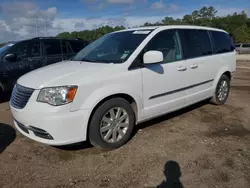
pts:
[152, 57]
[11, 57]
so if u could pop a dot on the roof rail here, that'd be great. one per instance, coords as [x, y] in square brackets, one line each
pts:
[56, 38]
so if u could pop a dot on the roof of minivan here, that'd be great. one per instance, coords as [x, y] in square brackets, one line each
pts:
[173, 27]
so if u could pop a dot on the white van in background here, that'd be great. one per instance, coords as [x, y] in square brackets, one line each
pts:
[120, 80]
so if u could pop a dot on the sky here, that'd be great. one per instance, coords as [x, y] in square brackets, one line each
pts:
[20, 19]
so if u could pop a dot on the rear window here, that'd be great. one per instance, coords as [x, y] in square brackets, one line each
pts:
[237, 45]
[222, 42]
[196, 42]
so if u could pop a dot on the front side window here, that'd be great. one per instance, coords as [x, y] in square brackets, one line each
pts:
[112, 48]
[26, 49]
[222, 42]
[5, 48]
[168, 43]
[196, 42]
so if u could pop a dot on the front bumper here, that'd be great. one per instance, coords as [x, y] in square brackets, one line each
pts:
[52, 128]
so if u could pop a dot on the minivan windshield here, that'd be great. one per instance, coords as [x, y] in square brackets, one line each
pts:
[5, 47]
[112, 48]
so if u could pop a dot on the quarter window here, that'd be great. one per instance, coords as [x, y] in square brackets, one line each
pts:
[168, 43]
[222, 42]
[196, 42]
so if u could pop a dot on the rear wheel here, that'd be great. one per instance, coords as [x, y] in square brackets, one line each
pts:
[111, 124]
[222, 91]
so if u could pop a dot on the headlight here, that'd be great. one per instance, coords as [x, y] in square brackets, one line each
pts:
[57, 95]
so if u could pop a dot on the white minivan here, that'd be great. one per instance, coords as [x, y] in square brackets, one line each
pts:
[120, 80]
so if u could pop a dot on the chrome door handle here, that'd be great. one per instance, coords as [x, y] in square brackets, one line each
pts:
[194, 66]
[182, 68]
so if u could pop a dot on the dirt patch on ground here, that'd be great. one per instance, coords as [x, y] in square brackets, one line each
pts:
[203, 146]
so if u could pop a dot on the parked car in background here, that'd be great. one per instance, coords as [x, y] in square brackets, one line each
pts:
[18, 58]
[243, 48]
[122, 79]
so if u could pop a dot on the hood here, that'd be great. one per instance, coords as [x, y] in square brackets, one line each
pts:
[64, 73]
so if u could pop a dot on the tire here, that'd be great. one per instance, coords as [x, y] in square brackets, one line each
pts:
[120, 107]
[217, 99]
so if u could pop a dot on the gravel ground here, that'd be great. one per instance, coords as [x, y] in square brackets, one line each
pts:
[243, 57]
[203, 146]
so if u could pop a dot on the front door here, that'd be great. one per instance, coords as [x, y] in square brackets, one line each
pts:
[164, 83]
[28, 55]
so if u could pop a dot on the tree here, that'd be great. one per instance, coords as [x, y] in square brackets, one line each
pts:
[90, 35]
[64, 35]
[207, 12]
[187, 19]
[242, 34]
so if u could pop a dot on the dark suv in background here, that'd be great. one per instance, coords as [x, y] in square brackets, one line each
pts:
[18, 58]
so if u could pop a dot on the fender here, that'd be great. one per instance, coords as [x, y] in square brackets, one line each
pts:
[101, 93]
[219, 74]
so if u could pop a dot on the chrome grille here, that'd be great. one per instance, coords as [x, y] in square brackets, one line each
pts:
[20, 96]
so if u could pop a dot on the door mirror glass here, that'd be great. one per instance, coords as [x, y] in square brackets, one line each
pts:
[152, 57]
[11, 57]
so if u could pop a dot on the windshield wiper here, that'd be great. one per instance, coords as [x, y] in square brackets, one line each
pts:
[88, 60]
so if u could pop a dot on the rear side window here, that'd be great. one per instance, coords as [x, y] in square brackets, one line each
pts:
[196, 42]
[222, 42]
[52, 47]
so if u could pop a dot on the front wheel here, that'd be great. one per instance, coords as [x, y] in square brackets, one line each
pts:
[222, 91]
[111, 124]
